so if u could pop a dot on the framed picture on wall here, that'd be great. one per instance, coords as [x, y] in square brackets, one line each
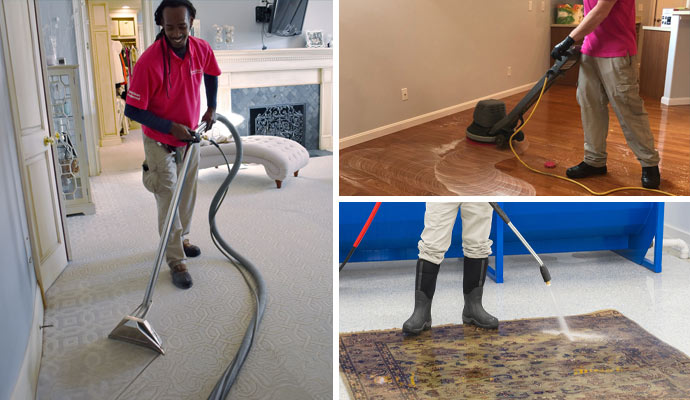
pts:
[315, 39]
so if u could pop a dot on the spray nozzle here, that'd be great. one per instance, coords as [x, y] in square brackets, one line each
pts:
[545, 274]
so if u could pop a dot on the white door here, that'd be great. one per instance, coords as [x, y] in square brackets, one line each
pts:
[25, 76]
[99, 17]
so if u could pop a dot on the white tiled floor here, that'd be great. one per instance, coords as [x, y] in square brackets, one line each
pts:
[380, 295]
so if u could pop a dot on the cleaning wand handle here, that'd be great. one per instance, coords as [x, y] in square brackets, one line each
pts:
[542, 268]
[196, 134]
[361, 234]
[143, 308]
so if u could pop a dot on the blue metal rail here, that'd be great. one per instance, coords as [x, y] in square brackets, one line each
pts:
[626, 228]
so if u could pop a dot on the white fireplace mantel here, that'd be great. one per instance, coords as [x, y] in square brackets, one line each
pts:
[279, 67]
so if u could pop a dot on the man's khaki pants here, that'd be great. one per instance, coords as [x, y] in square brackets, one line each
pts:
[160, 180]
[439, 219]
[614, 80]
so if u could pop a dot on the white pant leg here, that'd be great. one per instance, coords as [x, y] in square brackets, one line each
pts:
[476, 228]
[439, 219]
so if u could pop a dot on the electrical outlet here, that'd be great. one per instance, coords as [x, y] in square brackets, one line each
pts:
[640, 7]
[543, 5]
[403, 94]
[529, 5]
[510, 71]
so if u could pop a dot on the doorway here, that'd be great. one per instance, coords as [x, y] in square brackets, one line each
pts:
[661, 4]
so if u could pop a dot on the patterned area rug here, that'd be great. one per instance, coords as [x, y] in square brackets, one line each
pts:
[609, 357]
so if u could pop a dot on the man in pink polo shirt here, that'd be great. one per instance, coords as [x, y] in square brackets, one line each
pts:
[164, 97]
[608, 73]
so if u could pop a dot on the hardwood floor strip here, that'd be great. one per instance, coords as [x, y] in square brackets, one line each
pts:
[436, 158]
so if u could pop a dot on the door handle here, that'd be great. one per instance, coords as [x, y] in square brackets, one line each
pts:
[51, 140]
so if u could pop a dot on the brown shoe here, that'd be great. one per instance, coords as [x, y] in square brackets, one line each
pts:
[180, 276]
[190, 250]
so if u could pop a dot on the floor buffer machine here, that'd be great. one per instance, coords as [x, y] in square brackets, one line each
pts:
[491, 124]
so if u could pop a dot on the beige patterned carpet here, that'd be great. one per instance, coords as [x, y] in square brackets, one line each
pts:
[287, 233]
[609, 357]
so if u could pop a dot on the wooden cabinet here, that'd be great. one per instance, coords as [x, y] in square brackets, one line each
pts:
[123, 27]
[653, 62]
[126, 27]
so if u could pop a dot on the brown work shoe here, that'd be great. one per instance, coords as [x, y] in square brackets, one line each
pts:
[180, 276]
[190, 250]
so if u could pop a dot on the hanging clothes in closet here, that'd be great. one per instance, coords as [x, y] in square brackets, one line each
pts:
[124, 60]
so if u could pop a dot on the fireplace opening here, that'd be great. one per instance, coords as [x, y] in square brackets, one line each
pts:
[285, 120]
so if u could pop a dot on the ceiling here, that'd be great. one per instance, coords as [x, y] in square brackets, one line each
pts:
[117, 4]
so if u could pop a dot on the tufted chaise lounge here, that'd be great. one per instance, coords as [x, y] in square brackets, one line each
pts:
[280, 157]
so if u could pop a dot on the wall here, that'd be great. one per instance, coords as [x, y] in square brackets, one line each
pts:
[18, 284]
[66, 42]
[241, 15]
[445, 52]
[677, 218]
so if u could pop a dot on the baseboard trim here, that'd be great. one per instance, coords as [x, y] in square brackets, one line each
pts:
[27, 382]
[676, 233]
[418, 120]
[675, 101]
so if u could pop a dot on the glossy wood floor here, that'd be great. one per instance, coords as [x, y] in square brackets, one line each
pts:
[436, 158]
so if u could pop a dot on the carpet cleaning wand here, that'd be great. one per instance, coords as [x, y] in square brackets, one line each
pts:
[542, 268]
[135, 328]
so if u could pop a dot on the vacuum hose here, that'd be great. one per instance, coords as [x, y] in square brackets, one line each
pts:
[246, 268]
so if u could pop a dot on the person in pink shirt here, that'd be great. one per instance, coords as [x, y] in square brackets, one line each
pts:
[608, 74]
[164, 96]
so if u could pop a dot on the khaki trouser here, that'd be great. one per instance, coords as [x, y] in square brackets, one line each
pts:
[160, 179]
[614, 80]
[439, 219]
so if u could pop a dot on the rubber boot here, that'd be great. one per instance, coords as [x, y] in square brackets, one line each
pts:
[473, 287]
[425, 286]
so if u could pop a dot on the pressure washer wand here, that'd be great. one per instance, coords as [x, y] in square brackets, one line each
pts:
[361, 234]
[542, 268]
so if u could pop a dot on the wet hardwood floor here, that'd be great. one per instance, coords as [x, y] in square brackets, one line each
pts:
[436, 158]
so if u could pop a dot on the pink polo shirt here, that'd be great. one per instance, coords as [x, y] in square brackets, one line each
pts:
[182, 101]
[615, 36]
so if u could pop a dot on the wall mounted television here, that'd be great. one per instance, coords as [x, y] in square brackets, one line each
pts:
[287, 17]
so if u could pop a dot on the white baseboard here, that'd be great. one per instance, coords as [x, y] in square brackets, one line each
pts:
[675, 101]
[676, 233]
[25, 388]
[418, 120]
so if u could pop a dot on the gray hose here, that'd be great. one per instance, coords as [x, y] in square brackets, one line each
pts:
[246, 268]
